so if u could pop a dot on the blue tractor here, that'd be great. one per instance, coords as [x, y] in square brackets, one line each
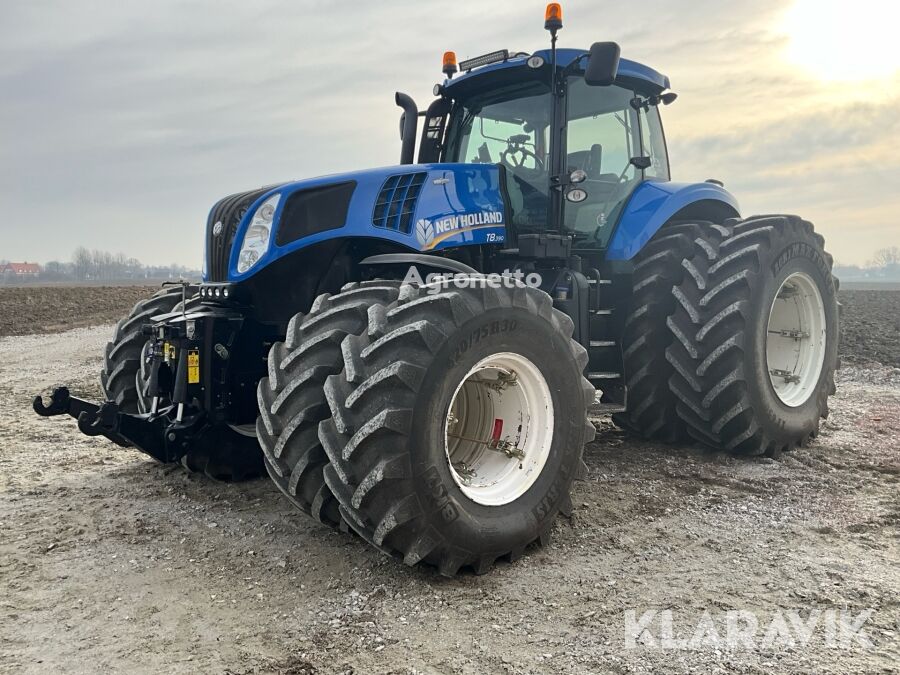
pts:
[413, 351]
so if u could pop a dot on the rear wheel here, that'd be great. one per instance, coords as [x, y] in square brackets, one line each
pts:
[659, 270]
[757, 339]
[457, 424]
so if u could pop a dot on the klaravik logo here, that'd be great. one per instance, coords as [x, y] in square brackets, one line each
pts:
[432, 232]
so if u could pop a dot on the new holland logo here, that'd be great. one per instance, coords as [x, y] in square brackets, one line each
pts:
[431, 232]
[424, 231]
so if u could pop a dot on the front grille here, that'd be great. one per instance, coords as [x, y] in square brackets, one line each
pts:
[396, 202]
[229, 212]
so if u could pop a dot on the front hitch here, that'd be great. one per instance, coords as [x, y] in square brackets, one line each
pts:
[153, 433]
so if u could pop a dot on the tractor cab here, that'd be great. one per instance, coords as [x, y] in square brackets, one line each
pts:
[573, 131]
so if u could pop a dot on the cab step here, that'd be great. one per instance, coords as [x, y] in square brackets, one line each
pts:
[604, 375]
[605, 408]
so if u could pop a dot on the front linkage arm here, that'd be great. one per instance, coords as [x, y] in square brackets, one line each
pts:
[153, 433]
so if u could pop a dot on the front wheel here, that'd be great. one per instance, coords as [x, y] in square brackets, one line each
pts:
[457, 424]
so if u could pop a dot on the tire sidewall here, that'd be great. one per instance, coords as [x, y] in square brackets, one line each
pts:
[465, 523]
[786, 422]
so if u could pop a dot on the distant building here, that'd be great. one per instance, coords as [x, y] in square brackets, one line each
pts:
[21, 270]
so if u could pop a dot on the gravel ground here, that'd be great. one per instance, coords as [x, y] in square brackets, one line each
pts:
[110, 562]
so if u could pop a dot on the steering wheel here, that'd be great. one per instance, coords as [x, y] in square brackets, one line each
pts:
[517, 153]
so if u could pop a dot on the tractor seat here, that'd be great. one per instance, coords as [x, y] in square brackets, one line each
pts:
[589, 161]
[595, 161]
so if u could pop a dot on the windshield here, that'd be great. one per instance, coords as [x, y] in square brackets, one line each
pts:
[508, 126]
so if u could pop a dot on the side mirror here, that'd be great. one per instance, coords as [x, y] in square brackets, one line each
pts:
[603, 64]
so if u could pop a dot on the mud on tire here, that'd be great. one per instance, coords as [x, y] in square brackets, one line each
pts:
[385, 440]
[291, 398]
[723, 381]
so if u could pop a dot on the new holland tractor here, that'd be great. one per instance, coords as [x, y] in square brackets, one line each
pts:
[411, 352]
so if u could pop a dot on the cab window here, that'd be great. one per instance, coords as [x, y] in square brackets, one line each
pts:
[602, 139]
[654, 144]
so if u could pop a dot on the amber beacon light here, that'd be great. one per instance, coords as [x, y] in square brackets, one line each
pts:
[553, 17]
[449, 64]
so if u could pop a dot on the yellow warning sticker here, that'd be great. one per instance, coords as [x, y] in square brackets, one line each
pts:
[193, 367]
[168, 351]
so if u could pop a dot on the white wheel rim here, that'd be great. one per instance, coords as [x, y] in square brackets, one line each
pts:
[498, 433]
[795, 339]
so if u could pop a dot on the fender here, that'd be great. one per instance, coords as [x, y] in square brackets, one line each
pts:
[419, 259]
[654, 203]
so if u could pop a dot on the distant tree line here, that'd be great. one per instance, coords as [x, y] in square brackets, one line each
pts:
[884, 266]
[96, 265]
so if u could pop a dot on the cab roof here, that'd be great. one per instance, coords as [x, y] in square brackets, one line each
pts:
[629, 71]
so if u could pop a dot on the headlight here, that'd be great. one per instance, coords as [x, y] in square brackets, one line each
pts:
[257, 237]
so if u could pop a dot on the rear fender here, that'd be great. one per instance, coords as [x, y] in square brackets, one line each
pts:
[654, 203]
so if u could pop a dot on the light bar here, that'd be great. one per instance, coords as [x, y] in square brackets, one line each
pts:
[485, 59]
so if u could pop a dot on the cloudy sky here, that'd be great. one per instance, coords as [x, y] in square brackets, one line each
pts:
[122, 122]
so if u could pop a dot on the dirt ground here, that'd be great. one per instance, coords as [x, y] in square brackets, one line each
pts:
[871, 326]
[48, 309]
[112, 563]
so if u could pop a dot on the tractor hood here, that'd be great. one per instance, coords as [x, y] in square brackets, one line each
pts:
[422, 207]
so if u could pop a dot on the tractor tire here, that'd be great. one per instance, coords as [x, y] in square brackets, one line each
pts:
[660, 267]
[291, 400]
[122, 357]
[496, 364]
[124, 380]
[757, 338]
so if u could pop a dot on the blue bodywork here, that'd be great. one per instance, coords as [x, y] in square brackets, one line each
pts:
[462, 204]
[627, 69]
[653, 203]
[459, 205]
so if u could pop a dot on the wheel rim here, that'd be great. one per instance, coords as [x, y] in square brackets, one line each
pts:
[499, 429]
[795, 339]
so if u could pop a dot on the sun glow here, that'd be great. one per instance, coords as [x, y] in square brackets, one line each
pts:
[844, 40]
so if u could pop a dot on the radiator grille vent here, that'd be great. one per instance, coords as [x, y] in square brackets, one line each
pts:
[396, 202]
